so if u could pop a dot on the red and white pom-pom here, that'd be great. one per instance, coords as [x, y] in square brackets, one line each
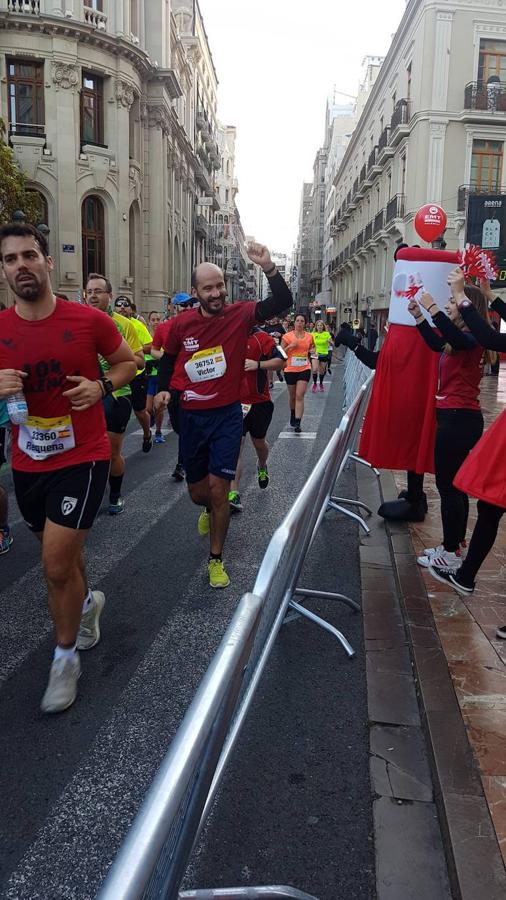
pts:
[478, 263]
[410, 292]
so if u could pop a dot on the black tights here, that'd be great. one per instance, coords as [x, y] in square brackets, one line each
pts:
[482, 541]
[458, 430]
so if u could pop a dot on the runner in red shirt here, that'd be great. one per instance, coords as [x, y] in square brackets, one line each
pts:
[208, 348]
[182, 303]
[60, 460]
[263, 356]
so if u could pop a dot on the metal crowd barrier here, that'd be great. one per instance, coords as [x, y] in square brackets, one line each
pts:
[154, 856]
[355, 375]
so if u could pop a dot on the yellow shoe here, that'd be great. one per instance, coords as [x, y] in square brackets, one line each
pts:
[204, 523]
[218, 578]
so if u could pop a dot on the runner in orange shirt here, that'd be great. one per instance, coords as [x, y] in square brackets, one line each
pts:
[298, 345]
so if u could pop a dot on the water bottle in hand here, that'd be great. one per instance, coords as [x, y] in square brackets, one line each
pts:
[17, 409]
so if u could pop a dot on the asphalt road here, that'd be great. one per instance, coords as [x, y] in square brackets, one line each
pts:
[295, 806]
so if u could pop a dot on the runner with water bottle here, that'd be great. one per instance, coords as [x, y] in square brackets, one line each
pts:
[60, 453]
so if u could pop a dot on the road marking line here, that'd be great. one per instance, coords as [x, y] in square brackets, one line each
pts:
[306, 435]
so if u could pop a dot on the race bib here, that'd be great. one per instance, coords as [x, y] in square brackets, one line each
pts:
[245, 409]
[206, 365]
[42, 438]
[299, 361]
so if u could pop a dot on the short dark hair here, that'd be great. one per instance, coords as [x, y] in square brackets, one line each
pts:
[153, 312]
[108, 285]
[13, 229]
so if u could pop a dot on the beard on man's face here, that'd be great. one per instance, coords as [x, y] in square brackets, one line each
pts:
[213, 305]
[27, 287]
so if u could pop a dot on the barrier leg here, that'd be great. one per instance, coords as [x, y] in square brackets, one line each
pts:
[326, 595]
[357, 503]
[350, 514]
[363, 462]
[272, 892]
[323, 624]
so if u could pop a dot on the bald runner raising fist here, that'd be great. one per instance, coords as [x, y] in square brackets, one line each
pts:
[206, 349]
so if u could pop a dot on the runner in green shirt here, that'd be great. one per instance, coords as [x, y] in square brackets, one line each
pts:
[323, 342]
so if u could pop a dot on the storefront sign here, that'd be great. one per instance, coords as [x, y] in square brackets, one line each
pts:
[486, 227]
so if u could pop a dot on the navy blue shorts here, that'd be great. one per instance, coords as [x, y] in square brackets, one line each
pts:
[210, 441]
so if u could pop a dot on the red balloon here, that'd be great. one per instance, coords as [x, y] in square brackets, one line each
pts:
[430, 222]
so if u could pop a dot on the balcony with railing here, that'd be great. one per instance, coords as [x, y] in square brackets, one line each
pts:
[94, 17]
[353, 247]
[485, 100]
[378, 221]
[359, 240]
[394, 209]
[467, 190]
[201, 226]
[21, 7]
[368, 232]
[385, 150]
[399, 123]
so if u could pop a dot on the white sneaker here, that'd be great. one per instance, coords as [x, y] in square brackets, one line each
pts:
[61, 690]
[428, 555]
[447, 561]
[89, 629]
[430, 552]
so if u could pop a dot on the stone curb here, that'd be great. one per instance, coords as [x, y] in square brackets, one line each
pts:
[399, 626]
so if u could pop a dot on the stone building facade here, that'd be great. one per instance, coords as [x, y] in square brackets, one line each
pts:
[111, 111]
[432, 130]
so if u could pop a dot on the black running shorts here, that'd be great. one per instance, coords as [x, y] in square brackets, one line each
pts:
[257, 421]
[117, 413]
[70, 497]
[139, 388]
[294, 377]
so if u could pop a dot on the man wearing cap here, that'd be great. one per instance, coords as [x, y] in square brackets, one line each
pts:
[206, 348]
[181, 302]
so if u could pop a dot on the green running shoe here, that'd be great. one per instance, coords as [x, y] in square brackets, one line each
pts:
[235, 501]
[204, 523]
[263, 477]
[218, 578]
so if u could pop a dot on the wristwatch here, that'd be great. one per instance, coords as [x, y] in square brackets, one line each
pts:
[107, 385]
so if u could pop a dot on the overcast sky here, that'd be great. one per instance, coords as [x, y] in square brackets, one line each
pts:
[277, 61]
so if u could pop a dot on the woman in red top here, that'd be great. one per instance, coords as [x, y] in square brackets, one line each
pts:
[483, 474]
[298, 345]
[458, 414]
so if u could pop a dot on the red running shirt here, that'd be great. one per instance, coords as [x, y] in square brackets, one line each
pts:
[255, 385]
[160, 336]
[67, 342]
[210, 355]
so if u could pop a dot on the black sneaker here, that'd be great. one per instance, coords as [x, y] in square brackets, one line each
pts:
[297, 429]
[501, 632]
[234, 501]
[292, 419]
[450, 578]
[178, 473]
[147, 443]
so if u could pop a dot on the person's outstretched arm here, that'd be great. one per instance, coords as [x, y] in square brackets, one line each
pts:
[368, 357]
[485, 335]
[281, 294]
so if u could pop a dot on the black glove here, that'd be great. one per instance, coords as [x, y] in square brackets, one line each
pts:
[347, 338]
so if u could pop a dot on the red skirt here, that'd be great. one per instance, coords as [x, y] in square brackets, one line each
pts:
[483, 474]
[400, 423]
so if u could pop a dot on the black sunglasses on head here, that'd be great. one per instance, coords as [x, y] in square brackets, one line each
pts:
[122, 303]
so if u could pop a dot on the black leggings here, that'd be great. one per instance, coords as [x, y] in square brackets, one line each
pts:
[482, 541]
[458, 430]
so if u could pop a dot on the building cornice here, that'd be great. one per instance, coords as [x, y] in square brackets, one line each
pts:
[45, 24]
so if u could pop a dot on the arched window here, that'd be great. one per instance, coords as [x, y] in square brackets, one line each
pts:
[93, 237]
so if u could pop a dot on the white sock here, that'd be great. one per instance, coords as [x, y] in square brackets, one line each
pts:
[88, 600]
[64, 652]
